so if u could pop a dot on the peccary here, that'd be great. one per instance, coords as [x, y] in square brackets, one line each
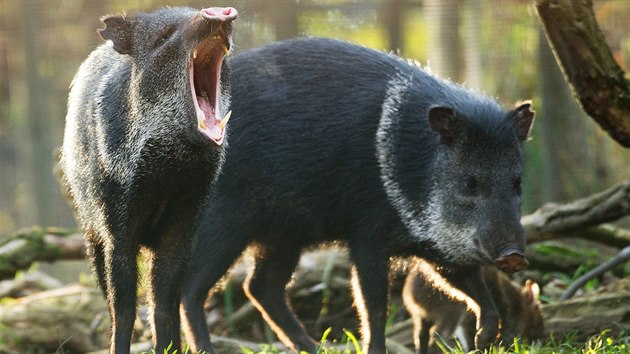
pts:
[337, 142]
[142, 145]
[436, 308]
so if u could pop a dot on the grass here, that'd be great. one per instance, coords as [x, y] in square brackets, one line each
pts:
[602, 343]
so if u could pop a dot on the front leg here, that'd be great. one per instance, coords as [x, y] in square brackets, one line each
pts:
[370, 289]
[471, 282]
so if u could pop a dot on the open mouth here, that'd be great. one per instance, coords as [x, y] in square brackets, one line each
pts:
[205, 82]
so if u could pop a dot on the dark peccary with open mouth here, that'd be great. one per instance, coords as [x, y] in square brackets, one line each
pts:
[142, 146]
[436, 308]
[334, 141]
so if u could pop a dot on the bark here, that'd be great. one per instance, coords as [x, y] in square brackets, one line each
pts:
[588, 315]
[28, 284]
[580, 47]
[36, 244]
[578, 217]
[73, 319]
[393, 18]
[444, 51]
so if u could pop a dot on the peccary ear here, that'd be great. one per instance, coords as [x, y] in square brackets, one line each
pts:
[523, 118]
[531, 292]
[442, 120]
[118, 29]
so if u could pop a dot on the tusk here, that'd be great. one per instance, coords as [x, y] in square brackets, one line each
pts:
[195, 54]
[201, 118]
[225, 120]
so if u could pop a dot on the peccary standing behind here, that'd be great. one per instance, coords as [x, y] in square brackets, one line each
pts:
[436, 308]
[142, 145]
[334, 141]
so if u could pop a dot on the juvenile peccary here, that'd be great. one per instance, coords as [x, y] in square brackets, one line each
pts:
[436, 308]
[142, 145]
[335, 141]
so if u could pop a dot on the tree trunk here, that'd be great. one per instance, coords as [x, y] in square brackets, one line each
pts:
[444, 43]
[588, 65]
[394, 22]
[472, 46]
[285, 21]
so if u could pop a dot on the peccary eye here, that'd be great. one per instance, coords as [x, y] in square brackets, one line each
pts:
[163, 37]
[471, 184]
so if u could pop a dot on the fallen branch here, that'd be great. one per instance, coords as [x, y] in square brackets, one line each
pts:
[36, 244]
[55, 321]
[27, 284]
[578, 218]
[620, 258]
[590, 314]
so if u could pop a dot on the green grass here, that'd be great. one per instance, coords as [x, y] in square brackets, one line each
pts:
[603, 343]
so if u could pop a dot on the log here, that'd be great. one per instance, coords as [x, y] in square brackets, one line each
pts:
[70, 319]
[580, 217]
[28, 284]
[590, 314]
[588, 65]
[37, 244]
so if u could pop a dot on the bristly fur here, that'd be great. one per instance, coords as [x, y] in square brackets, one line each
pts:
[333, 142]
[135, 165]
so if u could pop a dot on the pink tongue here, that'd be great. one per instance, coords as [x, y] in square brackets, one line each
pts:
[207, 109]
[212, 129]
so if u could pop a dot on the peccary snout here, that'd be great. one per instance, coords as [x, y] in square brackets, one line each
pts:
[223, 14]
[511, 259]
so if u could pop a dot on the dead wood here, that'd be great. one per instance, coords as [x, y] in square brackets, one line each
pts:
[588, 65]
[36, 244]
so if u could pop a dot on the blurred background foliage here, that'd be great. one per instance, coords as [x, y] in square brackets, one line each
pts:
[495, 46]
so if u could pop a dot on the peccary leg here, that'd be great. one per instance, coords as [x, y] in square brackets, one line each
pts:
[203, 274]
[471, 282]
[96, 255]
[167, 273]
[122, 282]
[370, 289]
[422, 334]
[265, 287]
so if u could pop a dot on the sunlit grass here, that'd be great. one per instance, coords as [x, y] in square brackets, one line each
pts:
[602, 343]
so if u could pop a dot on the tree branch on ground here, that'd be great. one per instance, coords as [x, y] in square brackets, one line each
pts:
[580, 217]
[36, 244]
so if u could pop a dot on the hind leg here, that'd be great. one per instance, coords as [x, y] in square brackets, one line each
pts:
[212, 257]
[96, 255]
[265, 287]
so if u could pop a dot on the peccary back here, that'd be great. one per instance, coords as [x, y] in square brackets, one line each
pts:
[333, 141]
[142, 145]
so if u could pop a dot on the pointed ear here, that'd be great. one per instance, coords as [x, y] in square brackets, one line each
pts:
[523, 118]
[531, 292]
[442, 120]
[119, 30]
